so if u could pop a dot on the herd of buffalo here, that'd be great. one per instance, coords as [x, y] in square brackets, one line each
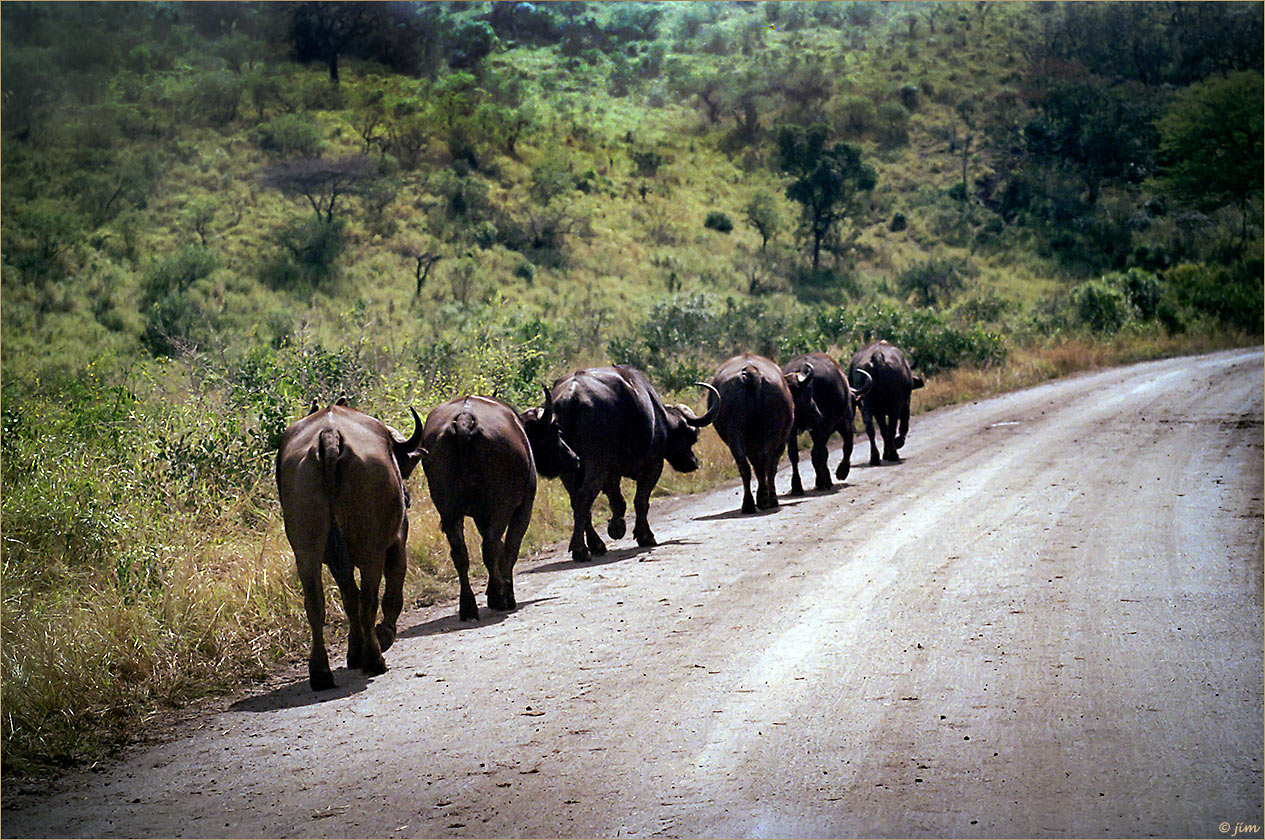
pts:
[341, 474]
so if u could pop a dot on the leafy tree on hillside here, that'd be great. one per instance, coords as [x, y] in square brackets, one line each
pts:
[324, 31]
[321, 181]
[1211, 139]
[829, 180]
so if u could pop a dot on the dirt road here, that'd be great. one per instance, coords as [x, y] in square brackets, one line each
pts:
[1046, 621]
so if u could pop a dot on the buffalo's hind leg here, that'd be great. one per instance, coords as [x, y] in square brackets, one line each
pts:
[371, 563]
[454, 530]
[616, 527]
[351, 606]
[392, 595]
[792, 454]
[309, 566]
[868, 417]
[493, 533]
[509, 557]
[888, 428]
[744, 470]
[820, 454]
[846, 430]
[641, 505]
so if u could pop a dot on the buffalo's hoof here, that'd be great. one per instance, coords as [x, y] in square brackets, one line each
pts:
[891, 456]
[581, 556]
[824, 483]
[374, 668]
[798, 489]
[748, 506]
[468, 609]
[842, 472]
[386, 637]
[596, 547]
[353, 655]
[874, 461]
[646, 540]
[510, 603]
[616, 529]
[321, 680]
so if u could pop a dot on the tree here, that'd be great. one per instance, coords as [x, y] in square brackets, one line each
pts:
[324, 31]
[761, 213]
[829, 180]
[1211, 143]
[322, 181]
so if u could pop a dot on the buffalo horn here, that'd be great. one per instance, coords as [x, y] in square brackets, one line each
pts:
[713, 406]
[547, 413]
[412, 444]
[869, 383]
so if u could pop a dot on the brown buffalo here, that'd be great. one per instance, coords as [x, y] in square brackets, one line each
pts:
[482, 460]
[619, 427]
[757, 412]
[833, 410]
[340, 479]
[888, 397]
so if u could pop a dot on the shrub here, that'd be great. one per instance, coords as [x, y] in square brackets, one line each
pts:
[718, 221]
[1101, 306]
[289, 135]
[934, 281]
[898, 223]
[855, 117]
[309, 249]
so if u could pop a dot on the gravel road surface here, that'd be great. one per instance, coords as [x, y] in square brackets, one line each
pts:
[1045, 622]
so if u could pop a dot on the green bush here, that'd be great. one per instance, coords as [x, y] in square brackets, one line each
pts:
[1101, 306]
[718, 222]
[289, 135]
[309, 249]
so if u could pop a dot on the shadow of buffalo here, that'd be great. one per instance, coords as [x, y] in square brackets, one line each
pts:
[611, 556]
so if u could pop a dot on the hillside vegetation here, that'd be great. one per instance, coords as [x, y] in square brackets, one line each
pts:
[216, 213]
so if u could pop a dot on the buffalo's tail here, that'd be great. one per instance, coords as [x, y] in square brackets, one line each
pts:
[329, 451]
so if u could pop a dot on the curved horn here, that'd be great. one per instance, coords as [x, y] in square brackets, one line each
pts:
[869, 382]
[412, 444]
[713, 406]
[547, 414]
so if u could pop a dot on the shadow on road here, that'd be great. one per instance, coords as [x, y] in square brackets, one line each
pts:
[738, 514]
[298, 694]
[611, 556]
[452, 624]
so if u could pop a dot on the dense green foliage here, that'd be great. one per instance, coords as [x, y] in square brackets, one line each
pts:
[215, 213]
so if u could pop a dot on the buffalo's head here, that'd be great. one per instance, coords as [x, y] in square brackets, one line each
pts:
[408, 452]
[552, 455]
[861, 384]
[683, 426]
[807, 414]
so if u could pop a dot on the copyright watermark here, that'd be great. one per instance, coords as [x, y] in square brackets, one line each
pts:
[1239, 829]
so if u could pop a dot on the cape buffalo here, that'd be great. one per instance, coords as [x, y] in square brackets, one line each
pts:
[834, 404]
[888, 397]
[340, 479]
[619, 427]
[481, 461]
[757, 412]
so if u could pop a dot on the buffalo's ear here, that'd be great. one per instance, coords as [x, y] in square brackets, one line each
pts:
[796, 379]
[342, 400]
[531, 415]
[917, 382]
[315, 407]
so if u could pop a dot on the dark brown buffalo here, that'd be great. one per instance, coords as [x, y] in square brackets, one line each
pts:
[757, 412]
[619, 427]
[340, 479]
[481, 462]
[833, 408]
[888, 397]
